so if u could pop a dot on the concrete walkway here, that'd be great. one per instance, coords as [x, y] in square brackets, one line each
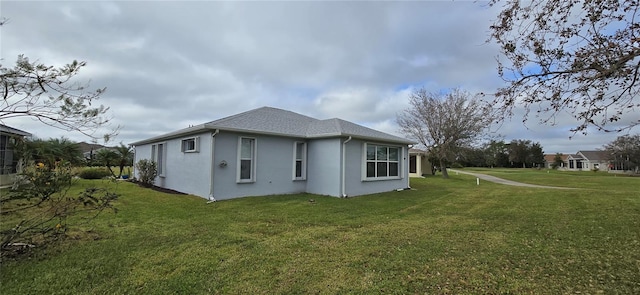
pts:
[505, 181]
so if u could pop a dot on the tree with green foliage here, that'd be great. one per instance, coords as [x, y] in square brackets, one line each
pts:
[624, 152]
[39, 203]
[525, 153]
[445, 122]
[51, 151]
[470, 157]
[570, 56]
[51, 96]
[125, 157]
[557, 161]
[495, 154]
[108, 158]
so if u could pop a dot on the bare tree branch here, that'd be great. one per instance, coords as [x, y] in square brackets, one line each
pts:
[574, 56]
[444, 123]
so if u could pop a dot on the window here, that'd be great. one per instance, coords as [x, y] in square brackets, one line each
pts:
[8, 158]
[190, 145]
[158, 155]
[382, 162]
[246, 159]
[299, 161]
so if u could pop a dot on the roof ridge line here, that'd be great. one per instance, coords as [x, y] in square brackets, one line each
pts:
[234, 116]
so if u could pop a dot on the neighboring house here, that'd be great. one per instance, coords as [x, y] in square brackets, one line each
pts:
[270, 151]
[8, 158]
[90, 150]
[418, 163]
[549, 159]
[582, 160]
[592, 160]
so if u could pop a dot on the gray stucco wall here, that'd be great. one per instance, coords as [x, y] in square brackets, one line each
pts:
[354, 184]
[191, 172]
[185, 172]
[324, 162]
[274, 167]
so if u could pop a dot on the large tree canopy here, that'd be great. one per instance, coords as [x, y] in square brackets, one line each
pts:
[624, 152]
[444, 122]
[576, 56]
[525, 153]
[50, 95]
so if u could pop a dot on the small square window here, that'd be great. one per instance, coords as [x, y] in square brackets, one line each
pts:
[190, 145]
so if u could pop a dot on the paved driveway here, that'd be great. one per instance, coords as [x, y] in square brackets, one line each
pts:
[505, 181]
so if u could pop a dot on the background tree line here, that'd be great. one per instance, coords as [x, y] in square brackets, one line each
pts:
[517, 153]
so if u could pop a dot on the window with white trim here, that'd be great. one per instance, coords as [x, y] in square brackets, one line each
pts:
[299, 160]
[190, 145]
[382, 162]
[158, 155]
[246, 159]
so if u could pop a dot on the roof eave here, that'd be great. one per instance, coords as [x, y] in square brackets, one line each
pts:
[241, 130]
[180, 133]
[206, 127]
[377, 139]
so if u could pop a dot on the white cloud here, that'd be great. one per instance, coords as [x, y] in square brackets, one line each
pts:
[170, 64]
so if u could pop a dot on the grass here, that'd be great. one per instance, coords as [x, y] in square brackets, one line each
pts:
[576, 179]
[444, 237]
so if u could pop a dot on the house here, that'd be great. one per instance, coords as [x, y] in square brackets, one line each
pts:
[588, 160]
[269, 151]
[582, 160]
[9, 160]
[594, 160]
[549, 159]
[418, 163]
[90, 150]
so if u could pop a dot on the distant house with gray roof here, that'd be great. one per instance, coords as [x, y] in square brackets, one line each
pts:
[582, 161]
[269, 151]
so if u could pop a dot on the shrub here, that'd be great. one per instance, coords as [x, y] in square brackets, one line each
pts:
[39, 203]
[94, 173]
[147, 171]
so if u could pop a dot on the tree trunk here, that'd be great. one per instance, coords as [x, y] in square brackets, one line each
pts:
[443, 167]
[110, 170]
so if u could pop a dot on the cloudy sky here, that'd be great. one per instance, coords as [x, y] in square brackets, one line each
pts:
[170, 64]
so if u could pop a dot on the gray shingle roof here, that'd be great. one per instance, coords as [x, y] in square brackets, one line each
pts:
[595, 155]
[273, 121]
[265, 120]
[575, 157]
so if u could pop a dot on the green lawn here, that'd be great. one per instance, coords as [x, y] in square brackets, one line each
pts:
[444, 237]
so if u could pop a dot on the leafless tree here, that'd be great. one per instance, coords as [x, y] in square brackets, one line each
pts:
[445, 122]
[581, 57]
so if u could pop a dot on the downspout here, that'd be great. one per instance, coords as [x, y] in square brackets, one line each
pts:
[405, 168]
[213, 165]
[344, 167]
[133, 174]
